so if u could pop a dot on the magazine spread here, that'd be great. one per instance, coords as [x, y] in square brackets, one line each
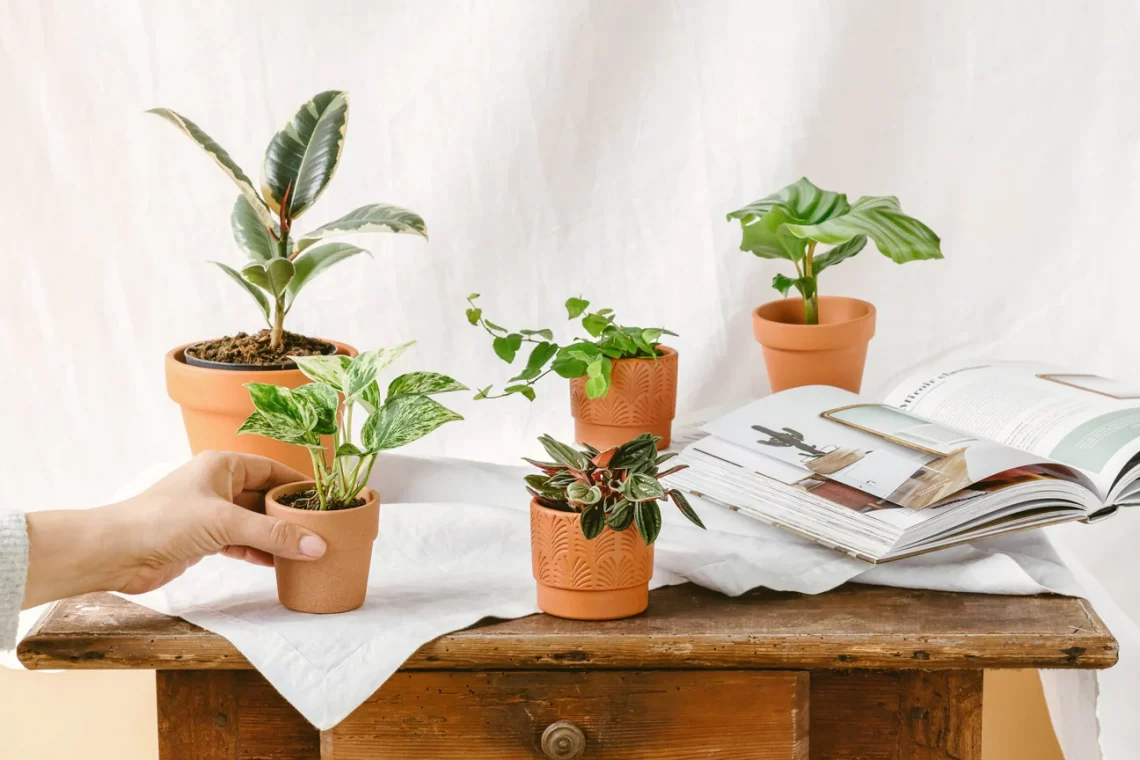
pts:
[954, 454]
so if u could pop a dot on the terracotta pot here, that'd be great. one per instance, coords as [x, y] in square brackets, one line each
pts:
[338, 581]
[642, 399]
[830, 353]
[601, 579]
[215, 403]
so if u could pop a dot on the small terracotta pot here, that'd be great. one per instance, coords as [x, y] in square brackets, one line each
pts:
[830, 353]
[215, 403]
[605, 578]
[642, 399]
[338, 581]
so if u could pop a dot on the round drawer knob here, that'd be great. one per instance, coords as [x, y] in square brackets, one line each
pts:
[563, 741]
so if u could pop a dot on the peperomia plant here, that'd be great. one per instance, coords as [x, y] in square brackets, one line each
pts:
[617, 487]
[790, 223]
[591, 357]
[298, 165]
[303, 415]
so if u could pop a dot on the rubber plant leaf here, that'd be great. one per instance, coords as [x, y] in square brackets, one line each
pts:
[257, 293]
[316, 260]
[273, 276]
[221, 158]
[898, 236]
[375, 217]
[402, 420]
[302, 157]
[251, 235]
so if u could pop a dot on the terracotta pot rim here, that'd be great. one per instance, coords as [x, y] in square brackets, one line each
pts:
[370, 497]
[535, 505]
[177, 355]
[791, 336]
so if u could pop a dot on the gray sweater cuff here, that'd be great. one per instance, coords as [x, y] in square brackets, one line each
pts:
[13, 573]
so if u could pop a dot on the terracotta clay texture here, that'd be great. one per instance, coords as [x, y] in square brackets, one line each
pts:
[338, 581]
[830, 353]
[642, 399]
[601, 579]
[215, 403]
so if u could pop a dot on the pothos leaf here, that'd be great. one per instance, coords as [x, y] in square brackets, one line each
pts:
[363, 369]
[402, 420]
[324, 399]
[423, 383]
[258, 424]
[324, 369]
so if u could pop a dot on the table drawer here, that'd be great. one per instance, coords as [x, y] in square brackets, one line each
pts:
[759, 715]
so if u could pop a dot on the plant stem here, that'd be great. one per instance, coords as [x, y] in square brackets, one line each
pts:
[318, 476]
[811, 305]
[276, 334]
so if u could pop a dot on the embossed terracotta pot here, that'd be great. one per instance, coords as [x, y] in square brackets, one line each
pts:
[338, 581]
[830, 353]
[642, 399]
[215, 403]
[601, 579]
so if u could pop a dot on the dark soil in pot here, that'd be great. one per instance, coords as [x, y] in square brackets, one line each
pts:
[308, 500]
[245, 351]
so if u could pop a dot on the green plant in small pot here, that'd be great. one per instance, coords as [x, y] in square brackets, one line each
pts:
[623, 380]
[337, 504]
[206, 378]
[594, 516]
[814, 339]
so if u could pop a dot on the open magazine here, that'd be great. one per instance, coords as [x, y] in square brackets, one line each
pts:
[954, 454]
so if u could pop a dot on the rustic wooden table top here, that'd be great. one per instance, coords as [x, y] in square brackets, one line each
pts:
[852, 627]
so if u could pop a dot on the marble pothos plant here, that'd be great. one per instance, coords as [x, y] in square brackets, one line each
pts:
[302, 416]
[299, 163]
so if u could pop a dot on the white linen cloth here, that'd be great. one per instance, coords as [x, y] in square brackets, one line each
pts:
[454, 547]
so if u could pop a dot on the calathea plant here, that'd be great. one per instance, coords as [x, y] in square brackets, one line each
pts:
[791, 222]
[298, 165]
[590, 357]
[617, 487]
[405, 413]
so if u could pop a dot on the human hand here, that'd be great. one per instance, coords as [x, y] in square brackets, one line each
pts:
[211, 505]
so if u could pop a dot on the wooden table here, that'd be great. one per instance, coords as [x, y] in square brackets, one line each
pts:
[861, 672]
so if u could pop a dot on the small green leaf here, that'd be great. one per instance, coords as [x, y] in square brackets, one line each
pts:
[640, 487]
[423, 383]
[593, 521]
[539, 356]
[482, 394]
[544, 333]
[621, 516]
[273, 276]
[686, 508]
[402, 420]
[598, 372]
[494, 327]
[647, 515]
[503, 350]
[363, 369]
[472, 297]
[473, 315]
[651, 335]
[525, 390]
[783, 284]
[568, 366]
[564, 455]
[581, 493]
[324, 369]
[256, 292]
[348, 450]
[576, 306]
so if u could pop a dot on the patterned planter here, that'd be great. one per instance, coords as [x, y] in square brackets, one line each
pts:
[601, 579]
[642, 399]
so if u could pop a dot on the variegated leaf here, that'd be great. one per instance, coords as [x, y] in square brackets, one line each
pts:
[592, 521]
[251, 235]
[302, 157]
[273, 276]
[218, 153]
[564, 455]
[903, 238]
[324, 369]
[375, 217]
[280, 408]
[647, 515]
[258, 424]
[686, 509]
[323, 398]
[423, 383]
[402, 420]
[363, 369]
[640, 487]
[257, 293]
[314, 261]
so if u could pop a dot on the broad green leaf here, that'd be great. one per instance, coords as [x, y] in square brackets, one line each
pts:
[783, 284]
[402, 420]
[769, 239]
[273, 276]
[763, 221]
[363, 369]
[564, 455]
[525, 390]
[593, 521]
[324, 400]
[375, 217]
[473, 315]
[251, 235]
[507, 346]
[620, 516]
[576, 306]
[540, 355]
[651, 335]
[686, 509]
[641, 487]
[324, 369]
[830, 258]
[258, 424]
[221, 158]
[595, 323]
[568, 366]
[303, 156]
[903, 238]
[423, 383]
[316, 260]
[257, 293]
[279, 407]
[647, 515]
[544, 333]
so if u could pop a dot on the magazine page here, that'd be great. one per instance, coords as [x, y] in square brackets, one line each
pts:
[877, 449]
[1085, 421]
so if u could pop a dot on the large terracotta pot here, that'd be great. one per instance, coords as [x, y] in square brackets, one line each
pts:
[605, 578]
[830, 353]
[215, 403]
[642, 399]
[338, 581]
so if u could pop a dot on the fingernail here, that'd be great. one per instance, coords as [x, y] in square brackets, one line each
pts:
[312, 546]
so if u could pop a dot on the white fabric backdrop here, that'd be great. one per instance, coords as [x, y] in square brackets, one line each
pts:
[556, 149]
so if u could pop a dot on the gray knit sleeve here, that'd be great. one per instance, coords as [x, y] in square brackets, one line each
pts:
[13, 573]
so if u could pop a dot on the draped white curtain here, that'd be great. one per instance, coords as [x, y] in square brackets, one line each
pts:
[555, 149]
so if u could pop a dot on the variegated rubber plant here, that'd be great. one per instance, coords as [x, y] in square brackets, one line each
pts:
[791, 222]
[617, 487]
[303, 415]
[299, 163]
